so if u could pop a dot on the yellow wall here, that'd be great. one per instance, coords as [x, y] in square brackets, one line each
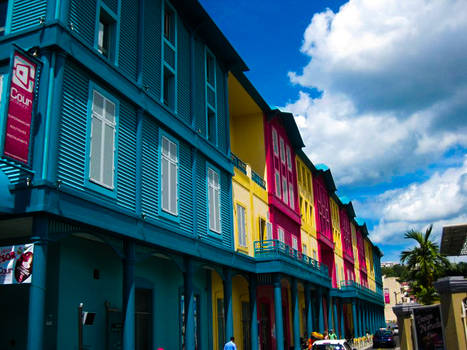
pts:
[246, 127]
[239, 294]
[336, 229]
[355, 252]
[254, 199]
[217, 293]
[339, 262]
[307, 209]
[369, 264]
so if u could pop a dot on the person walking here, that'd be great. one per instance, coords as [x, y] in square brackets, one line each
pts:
[332, 335]
[230, 345]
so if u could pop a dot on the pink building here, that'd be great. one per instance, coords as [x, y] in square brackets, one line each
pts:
[361, 257]
[346, 235]
[281, 138]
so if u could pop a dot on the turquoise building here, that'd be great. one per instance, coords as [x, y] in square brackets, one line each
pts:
[121, 179]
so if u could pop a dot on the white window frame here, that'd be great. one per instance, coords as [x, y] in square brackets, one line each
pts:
[172, 160]
[294, 242]
[304, 249]
[280, 234]
[278, 183]
[241, 225]
[275, 143]
[105, 122]
[289, 158]
[268, 230]
[282, 149]
[285, 192]
[291, 196]
[214, 206]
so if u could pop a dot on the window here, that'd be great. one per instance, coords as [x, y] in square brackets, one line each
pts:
[285, 193]
[274, 142]
[314, 254]
[278, 183]
[304, 250]
[169, 176]
[280, 234]
[269, 231]
[289, 159]
[294, 243]
[102, 143]
[262, 229]
[282, 150]
[211, 96]
[241, 226]
[291, 196]
[106, 34]
[214, 200]
[3, 13]
[169, 50]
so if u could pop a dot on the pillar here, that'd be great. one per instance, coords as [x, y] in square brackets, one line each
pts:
[37, 287]
[253, 313]
[129, 296]
[342, 330]
[360, 319]
[404, 321]
[335, 317]
[278, 312]
[228, 303]
[309, 309]
[320, 310]
[189, 299]
[295, 315]
[355, 323]
[329, 307]
[452, 291]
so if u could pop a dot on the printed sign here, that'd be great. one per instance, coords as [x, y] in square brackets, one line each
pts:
[428, 328]
[16, 264]
[386, 296]
[20, 108]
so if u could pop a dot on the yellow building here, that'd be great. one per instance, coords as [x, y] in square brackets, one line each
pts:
[355, 252]
[307, 206]
[369, 264]
[337, 239]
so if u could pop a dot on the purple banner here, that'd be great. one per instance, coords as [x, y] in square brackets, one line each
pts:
[20, 108]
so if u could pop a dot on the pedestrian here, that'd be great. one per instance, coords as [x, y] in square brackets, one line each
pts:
[326, 335]
[230, 345]
[332, 335]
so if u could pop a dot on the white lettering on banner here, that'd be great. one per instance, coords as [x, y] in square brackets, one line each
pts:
[16, 95]
[16, 264]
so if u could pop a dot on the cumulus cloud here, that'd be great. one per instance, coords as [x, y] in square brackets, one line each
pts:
[441, 200]
[393, 77]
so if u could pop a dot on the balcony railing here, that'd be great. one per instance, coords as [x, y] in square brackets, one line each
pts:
[237, 162]
[352, 285]
[258, 179]
[274, 248]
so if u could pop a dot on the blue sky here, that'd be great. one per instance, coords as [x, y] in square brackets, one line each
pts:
[379, 91]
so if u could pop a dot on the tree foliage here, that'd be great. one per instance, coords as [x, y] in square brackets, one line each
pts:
[425, 265]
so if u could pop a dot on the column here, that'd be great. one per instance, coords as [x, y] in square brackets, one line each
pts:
[295, 315]
[320, 310]
[335, 317]
[360, 317]
[309, 310]
[278, 312]
[228, 303]
[189, 298]
[129, 296]
[354, 317]
[253, 313]
[342, 331]
[38, 285]
[329, 307]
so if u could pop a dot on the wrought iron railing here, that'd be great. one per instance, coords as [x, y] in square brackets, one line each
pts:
[274, 247]
[258, 179]
[352, 285]
[237, 162]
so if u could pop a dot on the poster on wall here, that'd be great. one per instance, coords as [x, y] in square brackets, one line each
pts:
[21, 101]
[16, 264]
[386, 296]
[428, 328]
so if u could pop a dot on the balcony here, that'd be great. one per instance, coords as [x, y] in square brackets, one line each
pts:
[354, 289]
[246, 169]
[274, 248]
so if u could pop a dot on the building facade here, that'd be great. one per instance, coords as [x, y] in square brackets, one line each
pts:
[159, 193]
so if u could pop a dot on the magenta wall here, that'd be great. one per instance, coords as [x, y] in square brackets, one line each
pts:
[361, 253]
[281, 212]
[346, 234]
[322, 211]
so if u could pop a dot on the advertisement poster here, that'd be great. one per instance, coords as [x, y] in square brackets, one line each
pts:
[16, 264]
[20, 108]
[386, 296]
[428, 328]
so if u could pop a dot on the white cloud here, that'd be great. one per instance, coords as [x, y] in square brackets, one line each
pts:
[441, 200]
[394, 81]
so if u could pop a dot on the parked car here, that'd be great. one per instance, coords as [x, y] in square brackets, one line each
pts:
[338, 344]
[383, 338]
[395, 330]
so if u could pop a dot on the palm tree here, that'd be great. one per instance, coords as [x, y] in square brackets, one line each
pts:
[425, 264]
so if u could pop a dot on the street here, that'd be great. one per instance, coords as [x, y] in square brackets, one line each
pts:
[396, 337]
